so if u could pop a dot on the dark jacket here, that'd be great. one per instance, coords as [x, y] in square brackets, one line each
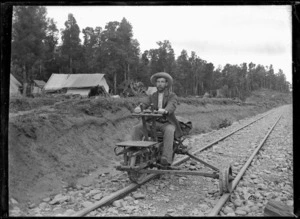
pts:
[169, 104]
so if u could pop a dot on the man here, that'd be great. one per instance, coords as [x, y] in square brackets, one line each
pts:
[165, 103]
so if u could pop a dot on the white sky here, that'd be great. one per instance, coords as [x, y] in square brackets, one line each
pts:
[218, 34]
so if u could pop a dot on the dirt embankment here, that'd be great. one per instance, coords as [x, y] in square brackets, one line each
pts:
[52, 146]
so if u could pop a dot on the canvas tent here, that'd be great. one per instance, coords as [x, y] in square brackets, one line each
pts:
[151, 90]
[82, 92]
[55, 82]
[14, 86]
[76, 83]
[38, 85]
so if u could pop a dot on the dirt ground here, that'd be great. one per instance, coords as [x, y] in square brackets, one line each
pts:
[62, 143]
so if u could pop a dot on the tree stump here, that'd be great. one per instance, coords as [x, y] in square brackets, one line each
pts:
[275, 208]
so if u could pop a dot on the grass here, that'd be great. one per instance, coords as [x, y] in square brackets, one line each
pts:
[93, 107]
[25, 103]
[75, 134]
[216, 119]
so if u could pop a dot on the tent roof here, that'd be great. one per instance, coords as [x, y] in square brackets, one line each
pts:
[58, 81]
[151, 90]
[40, 83]
[14, 86]
[13, 80]
[83, 80]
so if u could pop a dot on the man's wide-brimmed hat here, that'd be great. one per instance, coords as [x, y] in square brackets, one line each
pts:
[162, 75]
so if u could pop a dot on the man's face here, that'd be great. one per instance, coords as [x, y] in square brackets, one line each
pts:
[161, 84]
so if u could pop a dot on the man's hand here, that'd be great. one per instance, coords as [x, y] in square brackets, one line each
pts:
[162, 111]
[137, 109]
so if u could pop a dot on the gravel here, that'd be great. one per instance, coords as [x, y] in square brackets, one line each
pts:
[270, 176]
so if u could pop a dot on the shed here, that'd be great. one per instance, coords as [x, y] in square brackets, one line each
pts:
[37, 86]
[14, 88]
[151, 90]
[76, 83]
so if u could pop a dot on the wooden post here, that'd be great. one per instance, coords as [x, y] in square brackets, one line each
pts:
[275, 208]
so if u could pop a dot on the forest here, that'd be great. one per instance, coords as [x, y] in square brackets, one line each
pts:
[112, 50]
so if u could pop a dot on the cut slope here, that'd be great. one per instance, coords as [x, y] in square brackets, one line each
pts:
[53, 146]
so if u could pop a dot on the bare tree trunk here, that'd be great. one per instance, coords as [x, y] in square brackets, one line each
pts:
[70, 59]
[40, 68]
[128, 75]
[237, 90]
[195, 85]
[125, 75]
[24, 80]
[115, 83]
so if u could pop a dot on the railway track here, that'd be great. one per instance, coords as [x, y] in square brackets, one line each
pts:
[132, 187]
[225, 196]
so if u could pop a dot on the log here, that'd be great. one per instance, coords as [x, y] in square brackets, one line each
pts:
[276, 208]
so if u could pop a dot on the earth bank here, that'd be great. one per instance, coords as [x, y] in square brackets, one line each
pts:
[65, 142]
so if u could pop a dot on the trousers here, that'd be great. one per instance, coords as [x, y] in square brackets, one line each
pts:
[168, 131]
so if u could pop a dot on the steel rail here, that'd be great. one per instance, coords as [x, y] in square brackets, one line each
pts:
[133, 186]
[225, 196]
[181, 172]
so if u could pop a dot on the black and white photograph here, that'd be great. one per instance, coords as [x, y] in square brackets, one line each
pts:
[150, 110]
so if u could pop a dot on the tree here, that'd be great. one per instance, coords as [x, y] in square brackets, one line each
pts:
[50, 62]
[218, 79]
[163, 58]
[259, 75]
[133, 58]
[90, 38]
[71, 48]
[208, 76]
[183, 70]
[127, 49]
[197, 70]
[28, 36]
[143, 71]
[232, 73]
[281, 83]
[91, 45]
[118, 52]
[112, 53]
[270, 78]
[130, 48]
[250, 73]
[243, 81]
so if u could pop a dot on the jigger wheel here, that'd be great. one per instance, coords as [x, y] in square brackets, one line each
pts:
[135, 176]
[225, 180]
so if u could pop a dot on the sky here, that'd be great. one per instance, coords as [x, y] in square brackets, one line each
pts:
[218, 34]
